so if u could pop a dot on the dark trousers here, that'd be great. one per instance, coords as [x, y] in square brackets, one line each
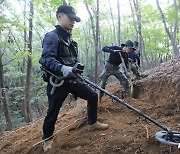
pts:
[56, 100]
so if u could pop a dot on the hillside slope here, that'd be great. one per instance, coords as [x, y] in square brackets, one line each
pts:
[157, 95]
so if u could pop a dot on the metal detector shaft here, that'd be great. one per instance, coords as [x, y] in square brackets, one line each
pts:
[123, 102]
[57, 77]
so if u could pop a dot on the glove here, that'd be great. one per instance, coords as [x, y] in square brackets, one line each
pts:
[130, 60]
[117, 51]
[67, 71]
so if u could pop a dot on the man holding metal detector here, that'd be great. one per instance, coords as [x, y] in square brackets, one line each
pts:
[118, 55]
[60, 58]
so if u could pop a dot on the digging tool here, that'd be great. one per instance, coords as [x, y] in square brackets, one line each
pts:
[131, 78]
[126, 71]
[167, 136]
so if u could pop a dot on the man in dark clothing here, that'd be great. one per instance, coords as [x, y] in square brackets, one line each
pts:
[112, 65]
[134, 59]
[136, 46]
[60, 53]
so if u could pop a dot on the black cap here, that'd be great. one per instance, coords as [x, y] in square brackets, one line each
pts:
[69, 11]
[136, 43]
[129, 44]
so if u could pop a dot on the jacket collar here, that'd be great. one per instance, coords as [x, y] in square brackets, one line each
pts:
[66, 36]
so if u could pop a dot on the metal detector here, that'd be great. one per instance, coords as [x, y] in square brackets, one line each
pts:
[167, 136]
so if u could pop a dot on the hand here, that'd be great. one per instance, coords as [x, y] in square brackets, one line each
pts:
[117, 51]
[130, 60]
[67, 71]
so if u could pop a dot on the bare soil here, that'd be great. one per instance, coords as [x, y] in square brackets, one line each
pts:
[156, 95]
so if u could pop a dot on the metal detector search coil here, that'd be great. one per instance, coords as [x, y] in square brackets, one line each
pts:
[172, 138]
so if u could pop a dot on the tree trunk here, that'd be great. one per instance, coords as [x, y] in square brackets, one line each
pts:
[0, 102]
[172, 37]
[24, 105]
[97, 43]
[29, 66]
[87, 51]
[119, 24]
[95, 32]
[114, 28]
[137, 25]
[0, 114]
[4, 97]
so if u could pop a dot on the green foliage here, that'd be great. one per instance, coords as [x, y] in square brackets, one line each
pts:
[150, 14]
[88, 1]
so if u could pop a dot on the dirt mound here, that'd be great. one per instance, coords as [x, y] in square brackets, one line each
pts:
[162, 85]
[157, 95]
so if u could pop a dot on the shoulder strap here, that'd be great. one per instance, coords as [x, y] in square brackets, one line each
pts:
[60, 39]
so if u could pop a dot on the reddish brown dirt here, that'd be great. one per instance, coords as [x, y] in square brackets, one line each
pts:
[157, 95]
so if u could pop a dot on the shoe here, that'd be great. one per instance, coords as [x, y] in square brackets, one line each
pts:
[47, 144]
[97, 126]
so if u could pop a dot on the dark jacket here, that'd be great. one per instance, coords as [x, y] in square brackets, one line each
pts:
[59, 49]
[135, 57]
[114, 57]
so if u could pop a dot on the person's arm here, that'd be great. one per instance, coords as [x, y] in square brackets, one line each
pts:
[138, 59]
[50, 49]
[112, 49]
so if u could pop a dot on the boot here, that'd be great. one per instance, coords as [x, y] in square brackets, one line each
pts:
[47, 144]
[97, 126]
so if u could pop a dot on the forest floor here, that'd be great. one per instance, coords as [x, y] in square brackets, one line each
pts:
[157, 95]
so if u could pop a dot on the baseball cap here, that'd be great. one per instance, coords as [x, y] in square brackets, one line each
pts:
[129, 44]
[69, 11]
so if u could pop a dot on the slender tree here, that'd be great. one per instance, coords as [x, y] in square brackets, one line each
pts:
[0, 115]
[112, 18]
[172, 37]
[137, 19]
[24, 106]
[119, 24]
[97, 42]
[95, 31]
[4, 96]
[29, 65]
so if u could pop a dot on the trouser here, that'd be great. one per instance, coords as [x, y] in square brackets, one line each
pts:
[111, 69]
[56, 100]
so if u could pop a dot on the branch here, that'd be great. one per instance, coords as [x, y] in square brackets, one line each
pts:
[163, 20]
[176, 20]
[92, 21]
[135, 26]
[1, 1]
